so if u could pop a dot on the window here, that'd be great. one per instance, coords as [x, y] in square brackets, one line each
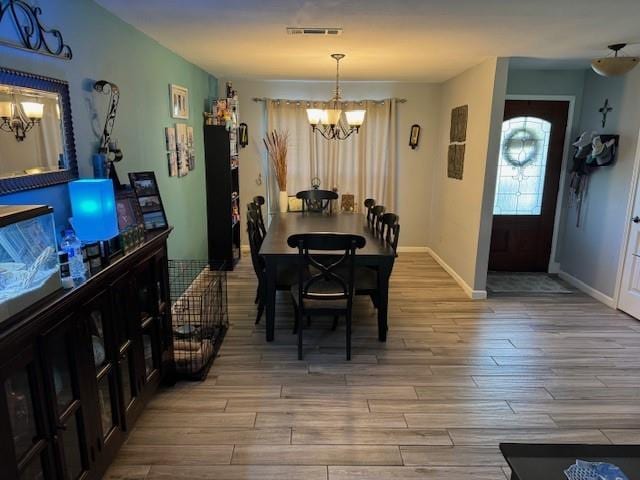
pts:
[522, 166]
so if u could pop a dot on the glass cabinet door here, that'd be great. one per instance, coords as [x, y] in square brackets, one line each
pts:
[25, 449]
[64, 355]
[104, 358]
[149, 301]
[126, 328]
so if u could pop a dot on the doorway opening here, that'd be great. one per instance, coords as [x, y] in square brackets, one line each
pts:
[526, 203]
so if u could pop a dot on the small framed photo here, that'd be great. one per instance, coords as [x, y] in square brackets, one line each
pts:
[150, 204]
[189, 137]
[183, 162]
[154, 221]
[127, 209]
[181, 135]
[172, 159]
[192, 159]
[170, 138]
[148, 199]
[179, 101]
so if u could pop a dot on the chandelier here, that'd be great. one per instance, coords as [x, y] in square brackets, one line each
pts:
[615, 65]
[329, 121]
[19, 118]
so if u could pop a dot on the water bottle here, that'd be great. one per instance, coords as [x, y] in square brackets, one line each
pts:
[72, 246]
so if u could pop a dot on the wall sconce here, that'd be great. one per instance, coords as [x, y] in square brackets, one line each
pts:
[20, 119]
[414, 136]
[94, 209]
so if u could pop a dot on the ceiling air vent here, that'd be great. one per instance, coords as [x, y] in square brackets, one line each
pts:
[313, 31]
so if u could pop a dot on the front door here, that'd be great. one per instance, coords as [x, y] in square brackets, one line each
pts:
[629, 300]
[533, 135]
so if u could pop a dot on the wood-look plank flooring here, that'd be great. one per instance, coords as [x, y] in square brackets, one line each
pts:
[455, 378]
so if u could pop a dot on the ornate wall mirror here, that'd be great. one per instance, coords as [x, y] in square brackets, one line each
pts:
[37, 146]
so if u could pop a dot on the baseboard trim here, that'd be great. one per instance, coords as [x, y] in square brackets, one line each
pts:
[583, 287]
[413, 249]
[554, 267]
[471, 293]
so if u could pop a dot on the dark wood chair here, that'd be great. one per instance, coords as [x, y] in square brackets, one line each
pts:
[367, 277]
[316, 200]
[377, 212]
[259, 200]
[328, 289]
[285, 277]
[369, 203]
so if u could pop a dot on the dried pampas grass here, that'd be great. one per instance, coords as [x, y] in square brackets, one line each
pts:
[276, 144]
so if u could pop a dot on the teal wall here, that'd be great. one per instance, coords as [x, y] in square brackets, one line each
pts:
[105, 47]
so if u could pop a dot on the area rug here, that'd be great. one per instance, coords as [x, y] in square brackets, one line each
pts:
[507, 282]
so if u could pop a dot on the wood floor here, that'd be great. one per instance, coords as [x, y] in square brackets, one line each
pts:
[455, 378]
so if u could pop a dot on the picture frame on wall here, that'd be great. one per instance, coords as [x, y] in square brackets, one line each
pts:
[149, 201]
[172, 159]
[179, 97]
[170, 138]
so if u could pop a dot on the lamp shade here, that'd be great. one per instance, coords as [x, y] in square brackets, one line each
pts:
[614, 66]
[33, 109]
[314, 115]
[355, 118]
[332, 116]
[94, 209]
[6, 109]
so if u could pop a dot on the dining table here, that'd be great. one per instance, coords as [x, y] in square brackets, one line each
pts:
[376, 253]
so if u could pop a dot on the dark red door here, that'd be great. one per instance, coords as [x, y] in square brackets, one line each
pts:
[533, 135]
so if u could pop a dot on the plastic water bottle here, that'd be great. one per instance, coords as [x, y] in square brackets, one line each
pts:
[71, 244]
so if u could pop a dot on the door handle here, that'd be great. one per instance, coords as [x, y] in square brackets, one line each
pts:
[636, 219]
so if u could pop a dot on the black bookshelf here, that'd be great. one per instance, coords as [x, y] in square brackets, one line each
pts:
[223, 196]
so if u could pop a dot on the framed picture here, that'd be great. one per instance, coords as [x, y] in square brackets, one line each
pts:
[183, 162]
[172, 159]
[170, 138]
[192, 158]
[179, 101]
[181, 135]
[127, 209]
[414, 136]
[148, 199]
[190, 137]
[294, 204]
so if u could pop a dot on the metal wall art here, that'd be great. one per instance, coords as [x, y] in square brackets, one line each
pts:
[32, 35]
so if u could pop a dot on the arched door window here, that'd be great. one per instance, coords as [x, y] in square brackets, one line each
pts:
[522, 166]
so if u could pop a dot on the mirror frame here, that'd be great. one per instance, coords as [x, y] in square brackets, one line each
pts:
[39, 180]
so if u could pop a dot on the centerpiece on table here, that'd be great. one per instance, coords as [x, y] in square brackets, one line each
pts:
[276, 144]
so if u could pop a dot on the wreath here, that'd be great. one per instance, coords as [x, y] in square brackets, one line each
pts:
[520, 147]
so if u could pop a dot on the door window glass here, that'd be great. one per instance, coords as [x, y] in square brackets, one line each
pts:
[522, 166]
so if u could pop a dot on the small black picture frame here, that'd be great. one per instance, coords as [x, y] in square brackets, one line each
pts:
[146, 190]
[414, 136]
[127, 209]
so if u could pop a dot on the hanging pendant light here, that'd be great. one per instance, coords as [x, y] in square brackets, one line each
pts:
[616, 65]
[329, 121]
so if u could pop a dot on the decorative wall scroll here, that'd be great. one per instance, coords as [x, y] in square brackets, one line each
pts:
[455, 161]
[31, 34]
[457, 139]
[458, 132]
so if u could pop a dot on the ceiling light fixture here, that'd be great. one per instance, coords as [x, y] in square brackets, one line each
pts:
[329, 121]
[614, 66]
[20, 118]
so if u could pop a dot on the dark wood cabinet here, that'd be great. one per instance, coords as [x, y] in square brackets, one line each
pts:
[77, 369]
[223, 196]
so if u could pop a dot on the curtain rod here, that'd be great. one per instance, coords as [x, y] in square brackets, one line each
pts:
[264, 99]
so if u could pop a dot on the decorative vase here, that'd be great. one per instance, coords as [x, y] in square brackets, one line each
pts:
[283, 201]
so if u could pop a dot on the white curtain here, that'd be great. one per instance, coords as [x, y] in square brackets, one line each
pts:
[363, 165]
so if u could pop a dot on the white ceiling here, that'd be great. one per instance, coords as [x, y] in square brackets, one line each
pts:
[412, 40]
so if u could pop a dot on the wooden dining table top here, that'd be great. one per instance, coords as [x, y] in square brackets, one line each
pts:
[283, 225]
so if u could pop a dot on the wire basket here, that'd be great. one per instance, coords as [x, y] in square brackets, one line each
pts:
[199, 315]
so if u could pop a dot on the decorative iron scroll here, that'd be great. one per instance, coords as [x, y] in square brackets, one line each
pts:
[33, 35]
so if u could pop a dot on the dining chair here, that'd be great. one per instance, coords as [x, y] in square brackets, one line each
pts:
[285, 277]
[391, 230]
[369, 203]
[327, 289]
[316, 200]
[259, 200]
[377, 213]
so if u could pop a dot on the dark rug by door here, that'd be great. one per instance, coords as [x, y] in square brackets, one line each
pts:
[509, 282]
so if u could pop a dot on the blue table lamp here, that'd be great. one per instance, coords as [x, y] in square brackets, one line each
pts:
[94, 209]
